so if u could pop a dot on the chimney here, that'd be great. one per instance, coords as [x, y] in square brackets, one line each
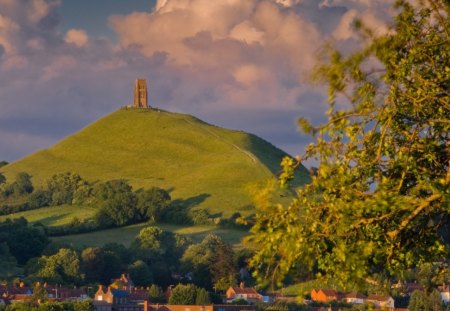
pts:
[100, 287]
[241, 285]
[21, 284]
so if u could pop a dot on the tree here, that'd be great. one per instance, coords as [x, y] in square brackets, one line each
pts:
[155, 294]
[140, 273]
[68, 188]
[425, 301]
[202, 297]
[40, 295]
[223, 267]
[40, 198]
[2, 178]
[183, 295]
[117, 202]
[63, 267]
[151, 203]
[22, 185]
[99, 265]
[381, 192]
[25, 243]
[211, 262]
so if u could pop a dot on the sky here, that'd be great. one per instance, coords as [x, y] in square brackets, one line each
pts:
[240, 64]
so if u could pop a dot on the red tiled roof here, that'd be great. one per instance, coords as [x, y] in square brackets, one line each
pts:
[355, 295]
[330, 292]
[378, 298]
[245, 290]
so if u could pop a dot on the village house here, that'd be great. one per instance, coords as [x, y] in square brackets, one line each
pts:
[116, 300]
[325, 295]
[382, 302]
[248, 294]
[355, 298]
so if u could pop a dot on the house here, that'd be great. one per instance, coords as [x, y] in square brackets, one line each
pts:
[123, 283]
[381, 302]
[249, 294]
[65, 293]
[116, 300]
[355, 298]
[325, 295]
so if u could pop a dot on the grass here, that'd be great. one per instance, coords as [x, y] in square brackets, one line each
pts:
[54, 215]
[203, 166]
[126, 235]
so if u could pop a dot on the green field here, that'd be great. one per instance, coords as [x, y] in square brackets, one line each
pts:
[126, 235]
[54, 215]
[201, 165]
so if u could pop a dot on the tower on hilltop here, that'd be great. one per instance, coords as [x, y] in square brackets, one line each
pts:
[140, 94]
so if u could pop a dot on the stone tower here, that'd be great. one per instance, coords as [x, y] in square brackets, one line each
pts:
[140, 94]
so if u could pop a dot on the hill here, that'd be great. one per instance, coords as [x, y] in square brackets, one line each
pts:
[201, 165]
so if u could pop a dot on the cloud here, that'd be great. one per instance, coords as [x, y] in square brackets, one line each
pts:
[238, 64]
[77, 37]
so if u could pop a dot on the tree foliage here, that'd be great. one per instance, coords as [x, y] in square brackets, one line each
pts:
[140, 273]
[117, 203]
[152, 203]
[68, 188]
[62, 267]
[100, 265]
[155, 294]
[381, 191]
[183, 295]
[425, 301]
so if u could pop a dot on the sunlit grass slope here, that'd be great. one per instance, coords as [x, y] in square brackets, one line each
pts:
[54, 215]
[200, 164]
[126, 235]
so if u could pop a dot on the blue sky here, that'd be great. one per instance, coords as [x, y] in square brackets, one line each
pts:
[241, 64]
[92, 15]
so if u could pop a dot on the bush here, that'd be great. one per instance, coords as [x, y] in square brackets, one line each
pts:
[200, 217]
[39, 198]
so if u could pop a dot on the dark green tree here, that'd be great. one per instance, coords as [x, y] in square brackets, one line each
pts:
[26, 242]
[63, 267]
[68, 188]
[381, 192]
[2, 178]
[210, 261]
[223, 267]
[152, 203]
[425, 301]
[117, 202]
[40, 198]
[183, 295]
[22, 184]
[99, 265]
[140, 273]
[155, 294]
[202, 297]
[39, 295]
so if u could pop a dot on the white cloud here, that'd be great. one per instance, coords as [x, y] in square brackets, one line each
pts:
[345, 29]
[77, 37]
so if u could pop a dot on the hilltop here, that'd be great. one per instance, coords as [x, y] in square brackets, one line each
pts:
[201, 165]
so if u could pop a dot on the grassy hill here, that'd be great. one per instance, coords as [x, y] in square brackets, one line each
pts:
[126, 235]
[201, 165]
